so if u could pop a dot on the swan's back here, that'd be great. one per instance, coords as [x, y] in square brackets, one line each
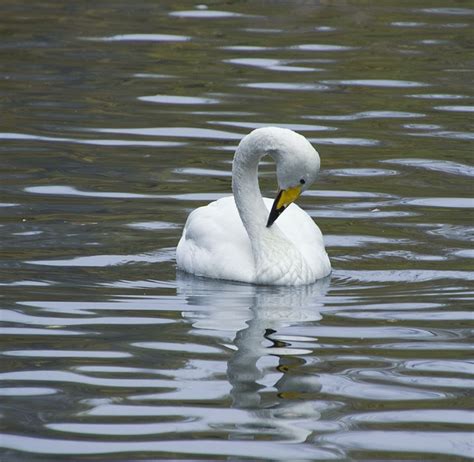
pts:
[215, 244]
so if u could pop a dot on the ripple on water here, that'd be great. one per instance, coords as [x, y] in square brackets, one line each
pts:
[360, 215]
[203, 172]
[153, 225]
[27, 391]
[108, 260]
[457, 108]
[67, 354]
[28, 233]
[325, 29]
[410, 276]
[321, 47]
[173, 99]
[270, 64]
[291, 86]
[179, 132]
[355, 241]
[436, 96]
[382, 83]
[408, 24]
[456, 232]
[297, 127]
[139, 38]
[139, 284]
[369, 115]
[446, 134]
[127, 429]
[263, 30]
[15, 317]
[424, 315]
[26, 331]
[433, 42]
[196, 197]
[357, 332]
[350, 194]
[26, 283]
[443, 166]
[338, 385]
[94, 381]
[439, 347]
[344, 141]
[98, 142]
[394, 255]
[149, 75]
[422, 126]
[445, 202]
[455, 25]
[111, 354]
[186, 347]
[247, 48]
[464, 253]
[205, 14]
[448, 10]
[419, 381]
[361, 172]
[118, 304]
[453, 443]
[57, 190]
[251, 449]
[450, 366]
[449, 416]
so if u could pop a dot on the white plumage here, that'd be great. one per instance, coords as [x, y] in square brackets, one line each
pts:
[229, 238]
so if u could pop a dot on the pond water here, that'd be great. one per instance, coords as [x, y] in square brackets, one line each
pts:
[121, 117]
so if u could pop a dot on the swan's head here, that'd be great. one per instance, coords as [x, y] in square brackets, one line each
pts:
[297, 168]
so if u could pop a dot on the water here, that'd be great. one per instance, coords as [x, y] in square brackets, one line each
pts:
[119, 118]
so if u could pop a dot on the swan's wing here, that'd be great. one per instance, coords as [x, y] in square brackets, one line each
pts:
[305, 235]
[215, 244]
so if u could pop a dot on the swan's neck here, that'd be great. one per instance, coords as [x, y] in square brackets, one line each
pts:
[246, 189]
[276, 258]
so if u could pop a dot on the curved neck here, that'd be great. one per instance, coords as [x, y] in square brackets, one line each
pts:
[268, 244]
[247, 195]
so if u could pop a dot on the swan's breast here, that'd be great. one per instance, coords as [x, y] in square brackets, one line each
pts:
[279, 262]
[303, 259]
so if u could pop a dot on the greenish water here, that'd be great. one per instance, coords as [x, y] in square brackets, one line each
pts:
[119, 118]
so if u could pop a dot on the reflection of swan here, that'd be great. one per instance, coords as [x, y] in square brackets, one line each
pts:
[231, 306]
[263, 372]
[233, 238]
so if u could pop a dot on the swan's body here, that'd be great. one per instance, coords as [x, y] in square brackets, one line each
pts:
[229, 238]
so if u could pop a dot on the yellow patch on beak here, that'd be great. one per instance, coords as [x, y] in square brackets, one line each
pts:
[285, 198]
[288, 196]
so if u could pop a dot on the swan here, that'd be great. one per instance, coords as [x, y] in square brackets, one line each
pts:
[236, 238]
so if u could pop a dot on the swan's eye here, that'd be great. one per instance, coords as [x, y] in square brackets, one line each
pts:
[302, 181]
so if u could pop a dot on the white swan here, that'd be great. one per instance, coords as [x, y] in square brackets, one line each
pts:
[235, 237]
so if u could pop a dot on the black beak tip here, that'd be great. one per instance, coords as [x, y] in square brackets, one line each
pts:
[274, 214]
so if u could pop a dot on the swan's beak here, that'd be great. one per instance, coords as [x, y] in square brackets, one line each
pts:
[284, 198]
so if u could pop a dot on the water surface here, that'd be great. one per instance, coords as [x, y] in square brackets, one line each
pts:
[120, 118]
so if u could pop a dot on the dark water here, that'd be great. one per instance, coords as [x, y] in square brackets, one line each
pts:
[120, 117]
